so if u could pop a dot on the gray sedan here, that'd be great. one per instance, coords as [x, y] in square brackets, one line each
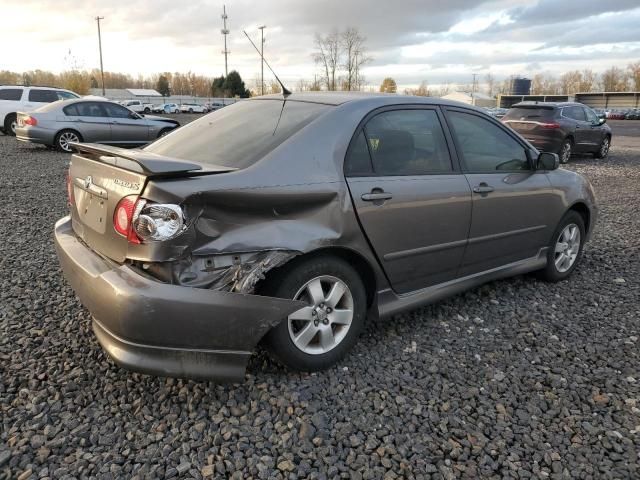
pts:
[290, 221]
[59, 124]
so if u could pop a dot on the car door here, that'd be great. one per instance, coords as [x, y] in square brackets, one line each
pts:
[596, 131]
[582, 132]
[510, 202]
[89, 119]
[127, 127]
[413, 203]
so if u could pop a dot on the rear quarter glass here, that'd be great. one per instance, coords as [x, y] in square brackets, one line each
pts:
[13, 94]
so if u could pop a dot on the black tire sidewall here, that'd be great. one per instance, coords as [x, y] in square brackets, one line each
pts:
[565, 142]
[286, 283]
[598, 154]
[11, 117]
[551, 273]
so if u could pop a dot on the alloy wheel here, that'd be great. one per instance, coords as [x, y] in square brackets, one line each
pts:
[65, 138]
[324, 323]
[567, 248]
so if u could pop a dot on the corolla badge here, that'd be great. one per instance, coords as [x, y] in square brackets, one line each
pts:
[125, 184]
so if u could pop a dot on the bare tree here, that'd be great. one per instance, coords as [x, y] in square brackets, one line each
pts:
[421, 91]
[490, 81]
[614, 79]
[570, 81]
[634, 74]
[588, 81]
[355, 56]
[327, 55]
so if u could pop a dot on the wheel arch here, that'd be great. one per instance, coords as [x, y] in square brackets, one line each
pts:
[583, 210]
[356, 260]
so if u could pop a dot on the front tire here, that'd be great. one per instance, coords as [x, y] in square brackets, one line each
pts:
[565, 249]
[565, 150]
[64, 137]
[164, 131]
[317, 336]
[10, 124]
[603, 151]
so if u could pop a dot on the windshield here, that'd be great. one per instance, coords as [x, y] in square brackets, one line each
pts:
[523, 113]
[238, 135]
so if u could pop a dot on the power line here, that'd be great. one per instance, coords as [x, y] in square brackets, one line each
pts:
[100, 47]
[225, 32]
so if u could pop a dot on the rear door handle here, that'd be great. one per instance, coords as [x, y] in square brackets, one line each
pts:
[483, 188]
[376, 197]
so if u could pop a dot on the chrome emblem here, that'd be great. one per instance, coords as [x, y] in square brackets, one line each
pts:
[88, 181]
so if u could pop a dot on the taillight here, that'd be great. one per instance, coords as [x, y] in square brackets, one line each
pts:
[158, 222]
[550, 125]
[30, 121]
[70, 196]
[123, 218]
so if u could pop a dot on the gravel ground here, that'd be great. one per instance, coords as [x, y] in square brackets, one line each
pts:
[516, 379]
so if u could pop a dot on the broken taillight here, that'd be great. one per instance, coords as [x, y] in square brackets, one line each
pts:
[32, 121]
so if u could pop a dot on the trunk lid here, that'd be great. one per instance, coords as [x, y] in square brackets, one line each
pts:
[101, 176]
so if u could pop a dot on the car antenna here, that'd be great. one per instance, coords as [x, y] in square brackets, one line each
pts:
[285, 91]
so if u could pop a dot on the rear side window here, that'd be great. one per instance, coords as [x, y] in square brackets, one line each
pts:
[486, 147]
[10, 94]
[407, 142]
[43, 96]
[526, 113]
[88, 109]
[239, 135]
[358, 161]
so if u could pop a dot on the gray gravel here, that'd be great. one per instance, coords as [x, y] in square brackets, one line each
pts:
[516, 379]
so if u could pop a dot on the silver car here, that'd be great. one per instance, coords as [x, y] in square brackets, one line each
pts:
[58, 124]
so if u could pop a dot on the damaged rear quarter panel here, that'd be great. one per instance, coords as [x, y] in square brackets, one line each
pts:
[295, 199]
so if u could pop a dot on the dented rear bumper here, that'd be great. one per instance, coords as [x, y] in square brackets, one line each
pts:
[164, 329]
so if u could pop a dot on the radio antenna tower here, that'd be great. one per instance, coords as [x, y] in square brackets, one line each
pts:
[225, 32]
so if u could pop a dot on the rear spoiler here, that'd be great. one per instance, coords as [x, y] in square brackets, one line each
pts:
[144, 162]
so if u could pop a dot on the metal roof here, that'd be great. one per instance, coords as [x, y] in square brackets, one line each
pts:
[143, 92]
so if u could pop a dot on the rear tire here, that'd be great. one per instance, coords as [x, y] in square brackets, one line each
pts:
[146, 110]
[10, 124]
[603, 151]
[318, 336]
[64, 137]
[191, 110]
[565, 151]
[565, 250]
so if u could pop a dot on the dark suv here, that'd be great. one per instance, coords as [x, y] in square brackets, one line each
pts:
[563, 128]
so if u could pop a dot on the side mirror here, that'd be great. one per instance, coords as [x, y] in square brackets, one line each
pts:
[548, 161]
[602, 121]
[135, 115]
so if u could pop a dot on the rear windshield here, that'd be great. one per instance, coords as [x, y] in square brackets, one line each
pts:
[522, 113]
[238, 135]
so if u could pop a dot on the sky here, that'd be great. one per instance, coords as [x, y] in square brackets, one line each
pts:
[410, 40]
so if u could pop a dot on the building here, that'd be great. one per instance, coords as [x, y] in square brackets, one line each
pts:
[606, 100]
[472, 98]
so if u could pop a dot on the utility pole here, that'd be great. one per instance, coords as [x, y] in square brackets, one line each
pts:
[262, 27]
[100, 47]
[473, 89]
[225, 32]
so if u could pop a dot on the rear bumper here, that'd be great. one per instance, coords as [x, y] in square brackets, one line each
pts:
[162, 329]
[545, 144]
[35, 135]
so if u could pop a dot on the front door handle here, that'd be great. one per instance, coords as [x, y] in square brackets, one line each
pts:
[376, 196]
[483, 188]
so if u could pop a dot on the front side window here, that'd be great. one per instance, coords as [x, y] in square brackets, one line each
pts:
[575, 113]
[10, 94]
[407, 142]
[117, 111]
[62, 95]
[43, 96]
[591, 116]
[485, 147]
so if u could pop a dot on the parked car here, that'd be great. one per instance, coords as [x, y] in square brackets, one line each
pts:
[633, 114]
[287, 222]
[166, 108]
[615, 115]
[564, 128]
[212, 106]
[137, 106]
[193, 108]
[15, 98]
[60, 124]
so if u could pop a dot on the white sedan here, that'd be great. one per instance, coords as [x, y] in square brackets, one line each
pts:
[192, 108]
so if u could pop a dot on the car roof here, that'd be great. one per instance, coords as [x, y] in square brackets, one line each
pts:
[37, 87]
[372, 98]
